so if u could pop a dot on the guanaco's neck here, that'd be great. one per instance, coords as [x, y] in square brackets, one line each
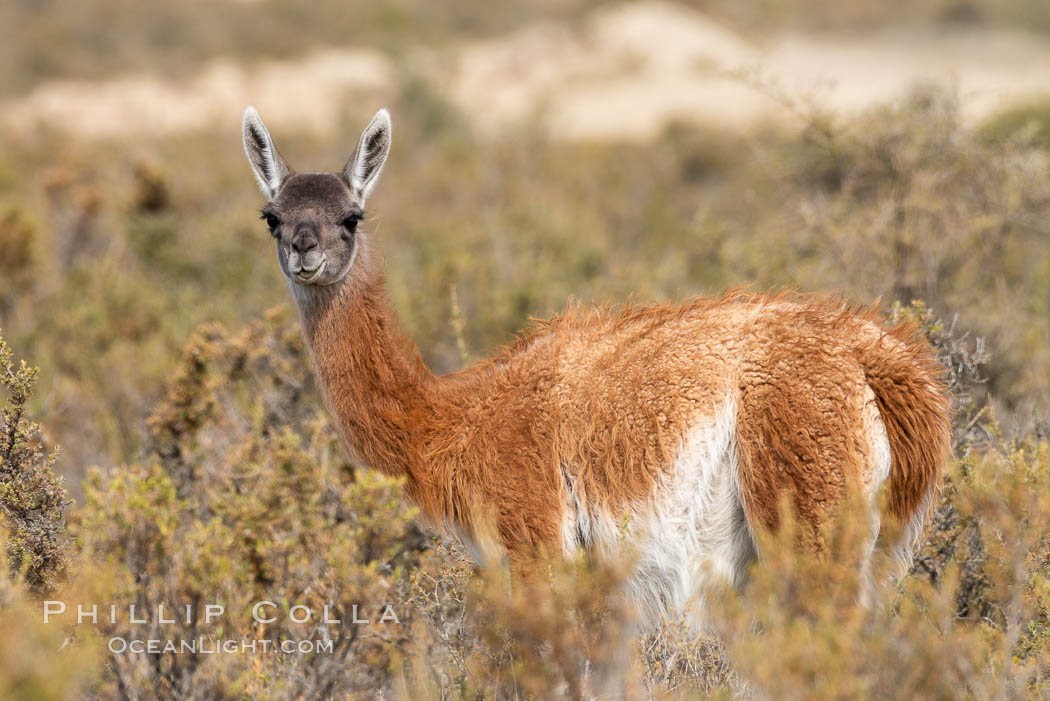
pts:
[376, 386]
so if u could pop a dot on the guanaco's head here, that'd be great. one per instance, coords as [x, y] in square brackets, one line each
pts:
[314, 216]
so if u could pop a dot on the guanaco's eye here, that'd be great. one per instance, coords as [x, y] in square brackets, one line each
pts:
[350, 223]
[271, 221]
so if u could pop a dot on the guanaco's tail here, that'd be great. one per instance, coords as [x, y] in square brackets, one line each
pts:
[906, 377]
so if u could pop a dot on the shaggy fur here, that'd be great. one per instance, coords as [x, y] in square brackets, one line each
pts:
[680, 427]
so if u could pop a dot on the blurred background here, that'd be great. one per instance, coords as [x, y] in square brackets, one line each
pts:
[644, 150]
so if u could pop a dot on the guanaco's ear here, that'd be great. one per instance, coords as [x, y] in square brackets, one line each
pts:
[267, 162]
[362, 170]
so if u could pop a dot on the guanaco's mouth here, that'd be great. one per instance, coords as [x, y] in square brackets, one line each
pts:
[306, 277]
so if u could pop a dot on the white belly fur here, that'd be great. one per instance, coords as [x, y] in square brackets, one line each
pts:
[691, 533]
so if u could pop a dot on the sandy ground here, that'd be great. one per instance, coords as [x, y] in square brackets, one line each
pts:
[625, 73]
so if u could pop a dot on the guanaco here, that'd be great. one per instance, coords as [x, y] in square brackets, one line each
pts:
[675, 428]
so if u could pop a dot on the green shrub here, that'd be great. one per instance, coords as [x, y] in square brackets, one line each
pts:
[245, 497]
[32, 498]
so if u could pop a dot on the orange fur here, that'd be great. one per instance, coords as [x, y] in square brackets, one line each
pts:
[606, 396]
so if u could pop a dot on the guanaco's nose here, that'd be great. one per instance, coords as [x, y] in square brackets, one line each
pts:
[305, 238]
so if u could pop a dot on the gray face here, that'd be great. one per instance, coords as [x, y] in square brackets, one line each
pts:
[314, 218]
